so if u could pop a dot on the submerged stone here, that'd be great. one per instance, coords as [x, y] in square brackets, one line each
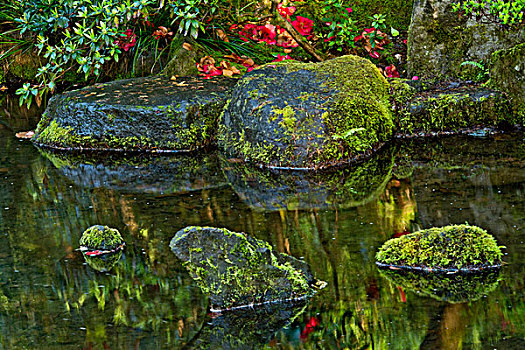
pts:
[307, 115]
[237, 270]
[152, 114]
[452, 288]
[99, 239]
[450, 248]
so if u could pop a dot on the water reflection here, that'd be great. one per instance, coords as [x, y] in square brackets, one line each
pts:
[50, 297]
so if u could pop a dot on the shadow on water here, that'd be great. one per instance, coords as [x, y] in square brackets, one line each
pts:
[51, 298]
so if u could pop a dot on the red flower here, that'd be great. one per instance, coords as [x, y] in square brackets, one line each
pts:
[127, 40]
[282, 58]
[303, 25]
[391, 71]
[374, 54]
[285, 11]
[349, 9]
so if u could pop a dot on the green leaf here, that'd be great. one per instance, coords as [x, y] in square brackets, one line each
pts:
[394, 32]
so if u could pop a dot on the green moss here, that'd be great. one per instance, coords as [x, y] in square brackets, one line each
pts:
[450, 247]
[101, 237]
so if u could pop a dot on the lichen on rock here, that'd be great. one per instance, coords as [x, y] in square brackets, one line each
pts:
[449, 248]
[237, 270]
[101, 238]
[307, 115]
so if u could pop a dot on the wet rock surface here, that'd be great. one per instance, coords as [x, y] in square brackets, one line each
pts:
[305, 116]
[237, 270]
[152, 114]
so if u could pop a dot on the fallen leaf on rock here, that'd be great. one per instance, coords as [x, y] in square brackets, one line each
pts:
[25, 134]
[173, 78]
[182, 83]
[227, 73]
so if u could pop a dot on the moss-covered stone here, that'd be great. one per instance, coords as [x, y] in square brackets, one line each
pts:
[452, 288]
[101, 238]
[421, 109]
[306, 115]
[507, 73]
[152, 114]
[236, 270]
[182, 62]
[449, 248]
[440, 40]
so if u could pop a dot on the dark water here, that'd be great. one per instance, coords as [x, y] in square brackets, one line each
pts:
[51, 298]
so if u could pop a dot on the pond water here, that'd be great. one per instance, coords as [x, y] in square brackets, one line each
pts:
[50, 297]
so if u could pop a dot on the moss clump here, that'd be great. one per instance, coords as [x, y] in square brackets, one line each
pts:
[101, 238]
[454, 247]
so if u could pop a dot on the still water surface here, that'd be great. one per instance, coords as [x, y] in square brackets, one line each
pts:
[50, 297]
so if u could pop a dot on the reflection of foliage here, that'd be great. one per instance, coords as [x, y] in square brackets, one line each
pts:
[103, 262]
[453, 288]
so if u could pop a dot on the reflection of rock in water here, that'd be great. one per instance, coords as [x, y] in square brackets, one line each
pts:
[453, 288]
[343, 188]
[139, 173]
[247, 328]
[104, 262]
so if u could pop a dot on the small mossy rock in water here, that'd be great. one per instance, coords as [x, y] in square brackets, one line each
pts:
[103, 262]
[449, 248]
[152, 114]
[507, 73]
[307, 115]
[237, 270]
[102, 239]
[423, 109]
[452, 288]
[440, 40]
[142, 173]
[269, 189]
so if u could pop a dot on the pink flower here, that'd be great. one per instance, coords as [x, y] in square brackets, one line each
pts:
[285, 11]
[374, 54]
[415, 77]
[282, 58]
[391, 71]
[349, 9]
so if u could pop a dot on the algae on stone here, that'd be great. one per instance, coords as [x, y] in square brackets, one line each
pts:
[236, 270]
[453, 247]
[307, 115]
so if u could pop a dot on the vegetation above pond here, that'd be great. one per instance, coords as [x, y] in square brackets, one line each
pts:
[449, 248]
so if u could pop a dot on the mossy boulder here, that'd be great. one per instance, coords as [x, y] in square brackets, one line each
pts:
[507, 73]
[101, 239]
[307, 115]
[439, 40]
[421, 109]
[153, 114]
[452, 288]
[269, 189]
[449, 248]
[237, 270]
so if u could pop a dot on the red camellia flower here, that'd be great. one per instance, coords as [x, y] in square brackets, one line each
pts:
[282, 58]
[285, 11]
[127, 40]
[303, 25]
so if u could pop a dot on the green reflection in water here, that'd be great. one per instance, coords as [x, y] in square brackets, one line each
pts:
[49, 298]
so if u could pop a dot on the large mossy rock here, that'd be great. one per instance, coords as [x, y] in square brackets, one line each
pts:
[440, 40]
[507, 73]
[307, 115]
[237, 270]
[422, 108]
[144, 114]
[450, 248]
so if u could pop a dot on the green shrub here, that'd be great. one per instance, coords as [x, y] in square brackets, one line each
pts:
[510, 13]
